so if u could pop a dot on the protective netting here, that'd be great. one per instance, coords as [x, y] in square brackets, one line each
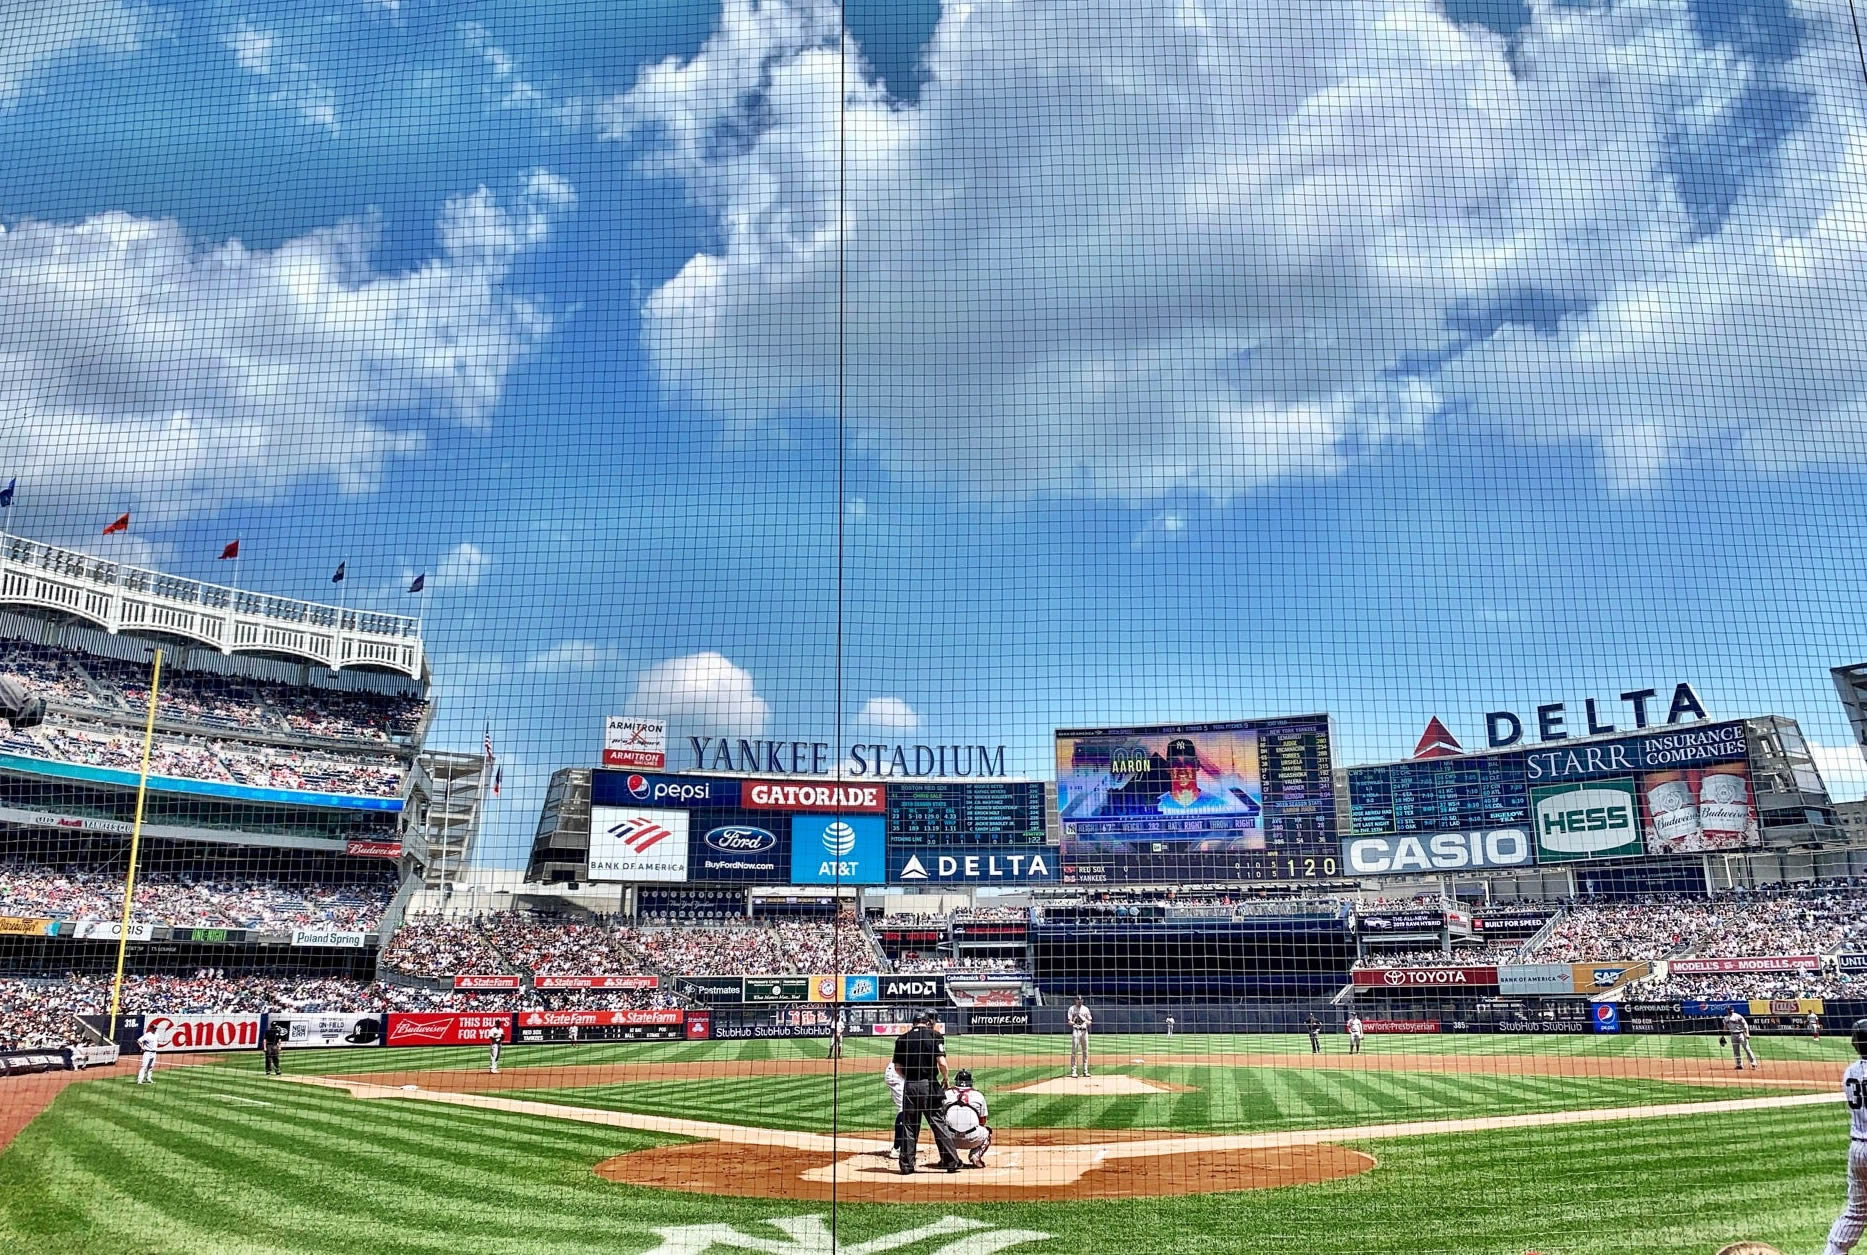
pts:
[643, 626]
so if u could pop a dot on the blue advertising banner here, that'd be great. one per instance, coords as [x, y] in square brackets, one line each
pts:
[972, 865]
[1607, 1017]
[861, 988]
[738, 845]
[1656, 751]
[1715, 1010]
[838, 849]
[641, 788]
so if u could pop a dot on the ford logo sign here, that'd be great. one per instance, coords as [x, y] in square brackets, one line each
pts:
[741, 839]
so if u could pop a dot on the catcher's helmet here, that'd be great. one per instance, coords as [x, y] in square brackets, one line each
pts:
[1858, 1035]
[963, 1078]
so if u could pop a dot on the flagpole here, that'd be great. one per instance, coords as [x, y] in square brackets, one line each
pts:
[136, 840]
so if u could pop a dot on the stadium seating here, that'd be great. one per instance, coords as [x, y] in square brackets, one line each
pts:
[1815, 920]
[197, 899]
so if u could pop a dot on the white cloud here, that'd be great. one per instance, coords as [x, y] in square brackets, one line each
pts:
[462, 567]
[252, 48]
[572, 655]
[1168, 525]
[1843, 768]
[147, 370]
[1102, 254]
[890, 713]
[707, 693]
[35, 33]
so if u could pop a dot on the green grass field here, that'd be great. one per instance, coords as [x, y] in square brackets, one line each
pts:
[220, 1158]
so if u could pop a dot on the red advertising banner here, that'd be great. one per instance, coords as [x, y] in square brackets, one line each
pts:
[699, 1025]
[785, 795]
[1400, 1026]
[1424, 977]
[494, 981]
[373, 849]
[446, 1028]
[203, 1032]
[596, 982]
[1773, 963]
[591, 1019]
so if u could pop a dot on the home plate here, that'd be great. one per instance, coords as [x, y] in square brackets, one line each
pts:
[1021, 1167]
[1113, 1085]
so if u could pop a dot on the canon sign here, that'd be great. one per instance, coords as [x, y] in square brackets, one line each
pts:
[203, 1032]
[1442, 852]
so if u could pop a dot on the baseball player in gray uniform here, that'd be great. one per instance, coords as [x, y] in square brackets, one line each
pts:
[1080, 1021]
[1852, 1221]
[1737, 1028]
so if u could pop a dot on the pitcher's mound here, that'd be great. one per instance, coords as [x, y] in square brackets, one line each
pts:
[1113, 1085]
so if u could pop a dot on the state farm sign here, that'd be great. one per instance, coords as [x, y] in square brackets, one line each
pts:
[175, 1033]
[595, 982]
[592, 1019]
[1425, 977]
[486, 981]
[446, 1028]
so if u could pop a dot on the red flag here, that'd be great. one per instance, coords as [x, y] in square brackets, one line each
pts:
[231, 551]
[121, 525]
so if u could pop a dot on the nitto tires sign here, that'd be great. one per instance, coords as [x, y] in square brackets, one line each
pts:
[1426, 978]
[179, 1033]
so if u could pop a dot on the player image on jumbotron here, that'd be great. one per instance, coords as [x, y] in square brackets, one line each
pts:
[1201, 793]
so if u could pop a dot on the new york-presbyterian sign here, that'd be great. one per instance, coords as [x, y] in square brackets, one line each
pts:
[874, 760]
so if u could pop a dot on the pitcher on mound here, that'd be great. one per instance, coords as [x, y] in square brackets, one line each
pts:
[1080, 1020]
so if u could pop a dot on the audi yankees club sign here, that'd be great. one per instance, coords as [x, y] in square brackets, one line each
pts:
[1426, 978]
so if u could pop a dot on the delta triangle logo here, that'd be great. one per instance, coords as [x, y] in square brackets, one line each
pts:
[1437, 742]
[912, 869]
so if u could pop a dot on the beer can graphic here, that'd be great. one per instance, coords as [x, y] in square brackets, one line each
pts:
[1676, 827]
[1724, 806]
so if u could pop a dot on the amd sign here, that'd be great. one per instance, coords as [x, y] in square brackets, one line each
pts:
[1441, 852]
[913, 989]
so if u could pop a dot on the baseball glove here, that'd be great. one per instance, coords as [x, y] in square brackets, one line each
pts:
[1721, 1040]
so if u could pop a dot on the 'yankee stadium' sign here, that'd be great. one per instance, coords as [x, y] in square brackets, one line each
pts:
[869, 760]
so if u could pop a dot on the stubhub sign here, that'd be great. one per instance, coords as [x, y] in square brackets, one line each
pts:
[838, 849]
[972, 864]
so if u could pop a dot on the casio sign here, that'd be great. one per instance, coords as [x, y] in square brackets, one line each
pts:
[740, 839]
[1445, 851]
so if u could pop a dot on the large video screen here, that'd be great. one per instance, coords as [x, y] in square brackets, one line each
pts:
[1251, 799]
[1684, 790]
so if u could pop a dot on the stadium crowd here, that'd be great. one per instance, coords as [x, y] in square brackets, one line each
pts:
[1814, 920]
[39, 1011]
[200, 900]
[233, 704]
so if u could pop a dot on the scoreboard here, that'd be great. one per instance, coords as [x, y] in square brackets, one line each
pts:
[992, 812]
[1189, 803]
[1439, 795]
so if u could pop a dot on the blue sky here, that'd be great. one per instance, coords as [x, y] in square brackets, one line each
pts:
[1389, 359]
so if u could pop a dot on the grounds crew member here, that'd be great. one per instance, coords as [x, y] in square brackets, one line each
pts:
[275, 1037]
[1852, 1221]
[920, 1057]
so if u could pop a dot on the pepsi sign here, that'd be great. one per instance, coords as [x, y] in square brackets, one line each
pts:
[640, 788]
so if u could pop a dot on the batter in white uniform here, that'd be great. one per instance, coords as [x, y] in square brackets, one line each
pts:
[1354, 1034]
[1849, 1226]
[1080, 1020]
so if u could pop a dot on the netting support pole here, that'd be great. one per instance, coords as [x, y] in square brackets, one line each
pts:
[136, 841]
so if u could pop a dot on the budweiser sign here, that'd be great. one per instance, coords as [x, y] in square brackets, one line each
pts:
[486, 982]
[592, 1019]
[1425, 977]
[445, 1028]
[595, 982]
[1775, 963]
[373, 849]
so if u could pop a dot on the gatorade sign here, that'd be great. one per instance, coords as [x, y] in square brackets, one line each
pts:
[1598, 819]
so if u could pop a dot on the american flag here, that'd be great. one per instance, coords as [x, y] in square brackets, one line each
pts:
[489, 745]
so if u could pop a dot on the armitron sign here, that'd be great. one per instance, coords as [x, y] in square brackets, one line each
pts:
[1426, 978]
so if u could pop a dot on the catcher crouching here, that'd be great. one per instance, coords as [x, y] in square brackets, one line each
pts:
[964, 1112]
